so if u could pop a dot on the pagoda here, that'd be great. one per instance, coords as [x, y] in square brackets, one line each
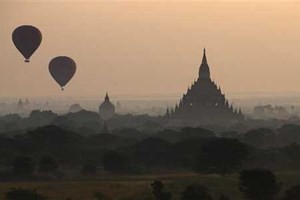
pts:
[204, 102]
[106, 109]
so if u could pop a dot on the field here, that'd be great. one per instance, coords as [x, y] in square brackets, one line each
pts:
[138, 187]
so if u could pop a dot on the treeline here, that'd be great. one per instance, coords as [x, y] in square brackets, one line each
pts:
[82, 122]
[130, 151]
[88, 123]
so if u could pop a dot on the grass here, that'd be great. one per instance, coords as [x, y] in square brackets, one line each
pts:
[138, 187]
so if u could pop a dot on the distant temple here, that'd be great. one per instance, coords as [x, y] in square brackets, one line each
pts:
[204, 102]
[106, 109]
[20, 105]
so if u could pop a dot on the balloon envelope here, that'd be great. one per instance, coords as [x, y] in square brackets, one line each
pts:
[62, 69]
[27, 39]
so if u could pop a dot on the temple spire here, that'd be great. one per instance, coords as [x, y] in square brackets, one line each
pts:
[106, 97]
[204, 60]
[204, 72]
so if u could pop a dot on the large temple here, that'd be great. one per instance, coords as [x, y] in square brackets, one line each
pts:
[204, 102]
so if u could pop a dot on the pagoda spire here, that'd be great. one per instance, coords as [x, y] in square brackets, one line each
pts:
[204, 72]
[204, 60]
[106, 97]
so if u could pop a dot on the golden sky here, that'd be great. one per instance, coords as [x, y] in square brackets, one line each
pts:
[153, 47]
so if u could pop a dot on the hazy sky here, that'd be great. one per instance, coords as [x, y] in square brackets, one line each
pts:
[153, 48]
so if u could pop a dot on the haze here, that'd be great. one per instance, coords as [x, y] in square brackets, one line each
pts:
[153, 48]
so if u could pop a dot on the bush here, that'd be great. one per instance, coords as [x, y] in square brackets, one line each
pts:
[223, 197]
[23, 166]
[195, 192]
[23, 194]
[115, 162]
[47, 164]
[100, 196]
[292, 193]
[158, 191]
[259, 184]
[221, 156]
[89, 168]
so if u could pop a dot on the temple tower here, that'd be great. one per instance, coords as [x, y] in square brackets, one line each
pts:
[204, 101]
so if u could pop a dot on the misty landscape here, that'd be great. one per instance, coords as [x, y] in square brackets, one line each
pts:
[149, 100]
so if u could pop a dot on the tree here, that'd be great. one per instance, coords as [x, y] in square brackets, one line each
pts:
[197, 132]
[288, 134]
[224, 197]
[292, 193]
[262, 138]
[115, 162]
[89, 168]
[259, 184]
[293, 151]
[100, 196]
[221, 155]
[23, 194]
[23, 166]
[196, 192]
[152, 152]
[47, 164]
[158, 191]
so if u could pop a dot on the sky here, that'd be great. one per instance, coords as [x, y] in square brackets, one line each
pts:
[153, 47]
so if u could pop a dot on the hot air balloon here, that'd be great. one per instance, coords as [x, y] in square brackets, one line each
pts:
[27, 39]
[62, 69]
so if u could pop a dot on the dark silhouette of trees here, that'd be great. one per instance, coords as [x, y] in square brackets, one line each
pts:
[61, 143]
[259, 184]
[189, 132]
[53, 136]
[130, 133]
[23, 194]
[292, 193]
[158, 191]
[47, 164]
[186, 151]
[23, 166]
[196, 192]
[115, 162]
[221, 155]
[224, 197]
[100, 196]
[41, 118]
[231, 134]
[293, 151]
[262, 138]
[289, 133]
[152, 152]
[89, 168]
[185, 133]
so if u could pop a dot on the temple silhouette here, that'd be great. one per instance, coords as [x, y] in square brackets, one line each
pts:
[106, 108]
[204, 102]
